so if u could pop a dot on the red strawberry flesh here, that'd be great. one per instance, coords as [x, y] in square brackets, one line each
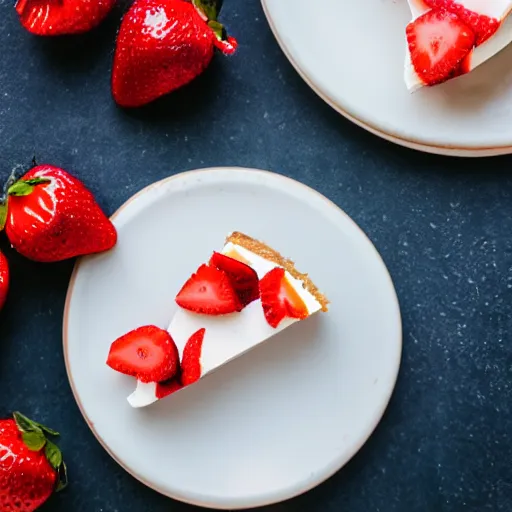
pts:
[167, 388]
[147, 353]
[483, 26]
[243, 277]
[191, 361]
[438, 43]
[210, 292]
[279, 299]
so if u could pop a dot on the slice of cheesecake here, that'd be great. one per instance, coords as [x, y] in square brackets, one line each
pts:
[449, 38]
[241, 297]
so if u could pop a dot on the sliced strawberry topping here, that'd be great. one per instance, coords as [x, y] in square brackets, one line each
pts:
[191, 361]
[167, 388]
[210, 292]
[279, 299]
[483, 26]
[243, 277]
[438, 42]
[147, 353]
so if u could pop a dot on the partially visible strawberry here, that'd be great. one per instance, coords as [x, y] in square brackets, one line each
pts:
[163, 45]
[483, 26]
[210, 292]
[50, 216]
[148, 353]
[243, 277]
[438, 43]
[62, 17]
[279, 299]
[31, 466]
[191, 360]
[4, 279]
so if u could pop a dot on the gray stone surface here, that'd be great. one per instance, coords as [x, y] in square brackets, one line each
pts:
[443, 226]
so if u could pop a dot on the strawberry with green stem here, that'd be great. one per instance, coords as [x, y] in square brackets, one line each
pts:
[31, 464]
[49, 216]
[163, 45]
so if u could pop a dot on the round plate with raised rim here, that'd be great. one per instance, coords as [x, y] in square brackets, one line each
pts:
[351, 53]
[282, 418]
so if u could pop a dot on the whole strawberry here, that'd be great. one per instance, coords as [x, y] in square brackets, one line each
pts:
[4, 279]
[62, 17]
[31, 466]
[163, 45]
[50, 216]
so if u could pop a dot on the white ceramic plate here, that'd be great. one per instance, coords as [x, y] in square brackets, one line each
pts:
[352, 54]
[275, 422]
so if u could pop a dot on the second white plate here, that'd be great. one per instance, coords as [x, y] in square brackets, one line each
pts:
[275, 422]
[352, 54]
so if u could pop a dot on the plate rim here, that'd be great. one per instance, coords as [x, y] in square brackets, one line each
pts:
[310, 484]
[411, 143]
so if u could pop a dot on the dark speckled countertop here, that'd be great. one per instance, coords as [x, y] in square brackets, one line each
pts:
[443, 226]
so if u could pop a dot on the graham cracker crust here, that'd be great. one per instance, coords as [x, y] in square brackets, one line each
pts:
[268, 253]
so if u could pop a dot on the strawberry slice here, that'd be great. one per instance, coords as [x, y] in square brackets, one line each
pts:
[210, 292]
[147, 353]
[279, 299]
[438, 42]
[483, 26]
[191, 360]
[167, 388]
[243, 277]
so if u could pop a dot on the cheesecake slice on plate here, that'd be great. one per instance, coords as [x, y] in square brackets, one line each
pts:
[449, 38]
[239, 298]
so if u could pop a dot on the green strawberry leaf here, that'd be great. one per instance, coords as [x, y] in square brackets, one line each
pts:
[26, 425]
[47, 430]
[34, 441]
[3, 215]
[33, 435]
[218, 30]
[20, 189]
[53, 455]
[25, 187]
[63, 478]
[210, 8]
